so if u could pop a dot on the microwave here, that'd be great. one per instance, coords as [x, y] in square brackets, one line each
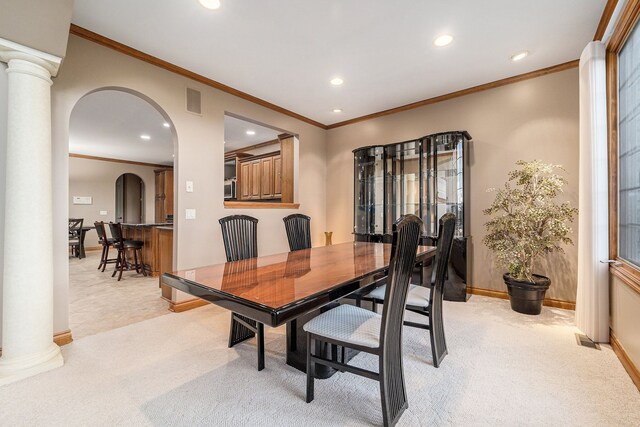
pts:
[230, 189]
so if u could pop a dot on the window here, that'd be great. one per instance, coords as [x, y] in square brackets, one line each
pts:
[629, 149]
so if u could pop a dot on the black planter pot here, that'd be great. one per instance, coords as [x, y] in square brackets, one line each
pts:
[527, 297]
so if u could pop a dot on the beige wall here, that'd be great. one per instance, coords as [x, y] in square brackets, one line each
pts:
[3, 152]
[97, 178]
[533, 119]
[38, 24]
[625, 318]
[199, 157]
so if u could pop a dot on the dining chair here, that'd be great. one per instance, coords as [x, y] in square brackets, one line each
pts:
[106, 243]
[240, 238]
[364, 330]
[428, 301]
[122, 245]
[75, 235]
[298, 228]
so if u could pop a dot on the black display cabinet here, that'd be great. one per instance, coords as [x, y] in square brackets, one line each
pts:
[427, 177]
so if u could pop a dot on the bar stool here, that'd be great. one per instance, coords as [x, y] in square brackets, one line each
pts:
[106, 243]
[122, 245]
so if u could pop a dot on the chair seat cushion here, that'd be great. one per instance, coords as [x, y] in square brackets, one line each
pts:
[418, 295]
[133, 243]
[349, 324]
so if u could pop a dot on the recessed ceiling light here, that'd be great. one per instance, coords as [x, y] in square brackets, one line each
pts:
[145, 137]
[443, 40]
[167, 125]
[336, 81]
[251, 132]
[337, 110]
[520, 55]
[211, 4]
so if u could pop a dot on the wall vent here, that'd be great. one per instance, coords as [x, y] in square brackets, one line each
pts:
[194, 101]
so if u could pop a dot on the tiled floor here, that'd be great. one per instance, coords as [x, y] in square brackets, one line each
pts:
[98, 302]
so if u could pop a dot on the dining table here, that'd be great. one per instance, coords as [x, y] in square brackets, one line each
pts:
[292, 288]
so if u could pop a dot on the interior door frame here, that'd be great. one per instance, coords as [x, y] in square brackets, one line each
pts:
[625, 271]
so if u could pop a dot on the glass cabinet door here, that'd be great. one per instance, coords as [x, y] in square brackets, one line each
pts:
[443, 173]
[369, 191]
[403, 181]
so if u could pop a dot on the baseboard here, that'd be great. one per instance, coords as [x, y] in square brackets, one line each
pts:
[626, 361]
[549, 302]
[60, 338]
[179, 307]
[92, 248]
[63, 338]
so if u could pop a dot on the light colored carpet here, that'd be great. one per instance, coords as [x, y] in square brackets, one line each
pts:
[98, 302]
[176, 370]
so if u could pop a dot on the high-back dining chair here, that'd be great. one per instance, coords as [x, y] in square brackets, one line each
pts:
[240, 238]
[298, 227]
[428, 301]
[75, 234]
[366, 331]
[106, 243]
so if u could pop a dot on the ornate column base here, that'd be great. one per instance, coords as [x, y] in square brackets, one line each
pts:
[19, 368]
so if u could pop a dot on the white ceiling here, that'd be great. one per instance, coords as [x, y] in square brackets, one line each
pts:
[286, 51]
[235, 133]
[109, 123]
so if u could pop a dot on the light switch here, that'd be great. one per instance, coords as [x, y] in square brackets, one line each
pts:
[190, 214]
[189, 186]
[103, 213]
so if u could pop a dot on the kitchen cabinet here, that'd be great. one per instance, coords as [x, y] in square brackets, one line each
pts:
[163, 194]
[261, 177]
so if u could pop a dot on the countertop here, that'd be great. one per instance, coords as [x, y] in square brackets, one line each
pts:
[151, 224]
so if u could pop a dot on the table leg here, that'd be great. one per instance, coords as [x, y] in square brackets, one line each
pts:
[81, 253]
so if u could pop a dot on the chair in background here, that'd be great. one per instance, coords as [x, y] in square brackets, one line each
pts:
[240, 237]
[75, 235]
[366, 331]
[428, 301]
[122, 246]
[106, 243]
[298, 229]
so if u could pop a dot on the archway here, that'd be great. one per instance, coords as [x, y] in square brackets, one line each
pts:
[119, 142]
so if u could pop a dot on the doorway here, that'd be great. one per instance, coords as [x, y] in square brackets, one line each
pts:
[119, 142]
[130, 199]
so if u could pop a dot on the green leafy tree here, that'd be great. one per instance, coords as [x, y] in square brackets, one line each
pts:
[527, 223]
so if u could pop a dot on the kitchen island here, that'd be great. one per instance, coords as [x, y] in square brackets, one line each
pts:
[157, 252]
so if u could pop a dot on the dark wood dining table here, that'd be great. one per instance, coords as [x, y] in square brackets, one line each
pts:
[293, 287]
[80, 252]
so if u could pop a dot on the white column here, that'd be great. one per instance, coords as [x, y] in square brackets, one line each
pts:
[592, 301]
[27, 297]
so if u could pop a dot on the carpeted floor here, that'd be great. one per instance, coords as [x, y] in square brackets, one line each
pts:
[98, 302]
[176, 370]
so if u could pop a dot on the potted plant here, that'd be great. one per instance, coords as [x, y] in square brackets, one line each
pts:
[526, 224]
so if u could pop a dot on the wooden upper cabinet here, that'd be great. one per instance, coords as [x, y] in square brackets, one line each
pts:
[244, 180]
[277, 176]
[164, 194]
[266, 178]
[254, 192]
[260, 179]
[159, 184]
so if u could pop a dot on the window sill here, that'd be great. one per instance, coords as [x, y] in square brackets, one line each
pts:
[627, 274]
[260, 205]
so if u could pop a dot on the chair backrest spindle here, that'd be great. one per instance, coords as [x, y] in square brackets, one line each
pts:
[239, 234]
[298, 227]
